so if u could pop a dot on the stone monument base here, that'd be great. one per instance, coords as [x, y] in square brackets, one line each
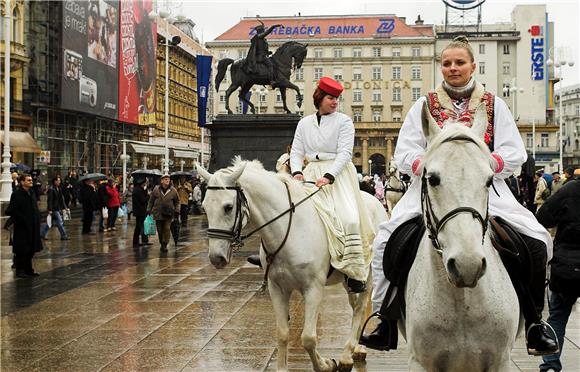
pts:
[264, 137]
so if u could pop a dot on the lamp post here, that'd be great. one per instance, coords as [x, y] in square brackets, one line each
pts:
[125, 158]
[370, 167]
[559, 64]
[6, 180]
[513, 89]
[182, 163]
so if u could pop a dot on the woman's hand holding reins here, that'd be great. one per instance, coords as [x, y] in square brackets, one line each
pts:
[323, 181]
[299, 177]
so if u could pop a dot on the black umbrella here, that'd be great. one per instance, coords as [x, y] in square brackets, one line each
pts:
[175, 228]
[180, 174]
[93, 176]
[146, 172]
[20, 168]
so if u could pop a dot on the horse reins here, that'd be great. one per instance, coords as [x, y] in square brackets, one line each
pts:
[235, 234]
[433, 224]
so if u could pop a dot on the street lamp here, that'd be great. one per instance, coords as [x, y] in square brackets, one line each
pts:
[370, 167]
[166, 16]
[513, 90]
[182, 163]
[6, 180]
[125, 158]
[559, 64]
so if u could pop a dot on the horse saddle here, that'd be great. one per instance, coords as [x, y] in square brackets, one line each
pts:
[512, 249]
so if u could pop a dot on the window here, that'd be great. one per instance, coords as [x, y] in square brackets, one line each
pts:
[300, 73]
[416, 52]
[416, 72]
[263, 97]
[337, 53]
[506, 90]
[397, 116]
[482, 68]
[222, 97]
[317, 73]
[242, 53]
[396, 94]
[396, 72]
[357, 95]
[357, 52]
[578, 110]
[529, 140]
[506, 68]
[278, 98]
[16, 36]
[544, 140]
[317, 53]
[377, 116]
[377, 73]
[357, 73]
[416, 93]
[223, 54]
[377, 97]
[337, 74]
[357, 116]
[396, 52]
[481, 48]
[376, 51]
[506, 49]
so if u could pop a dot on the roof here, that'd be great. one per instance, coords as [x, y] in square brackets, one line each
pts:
[328, 27]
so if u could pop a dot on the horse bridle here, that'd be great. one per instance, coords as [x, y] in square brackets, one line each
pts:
[433, 224]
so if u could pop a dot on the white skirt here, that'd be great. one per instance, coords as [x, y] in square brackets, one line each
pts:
[348, 227]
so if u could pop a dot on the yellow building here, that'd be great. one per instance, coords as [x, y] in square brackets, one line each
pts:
[384, 64]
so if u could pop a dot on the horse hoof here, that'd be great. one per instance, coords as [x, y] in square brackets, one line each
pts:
[344, 367]
[359, 356]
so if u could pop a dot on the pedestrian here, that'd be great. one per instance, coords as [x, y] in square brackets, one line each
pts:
[380, 189]
[113, 204]
[367, 186]
[557, 182]
[183, 190]
[71, 188]
[197, 198]
[14, 181]
[103, 197]
[514, 186]
[89, 198]
[128, 200]
[563, 210]
[26, 241]
[164, 207]
[326, 139]
[568, 174]
[139, 201]
[456, 98]
[55, 206]
[542, 190]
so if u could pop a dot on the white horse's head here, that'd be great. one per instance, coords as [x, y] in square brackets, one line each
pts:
[457, 173]
[226, 209]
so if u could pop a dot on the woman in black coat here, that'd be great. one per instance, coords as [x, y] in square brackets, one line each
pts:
[90, 200]
[140, 200]
[26, 241]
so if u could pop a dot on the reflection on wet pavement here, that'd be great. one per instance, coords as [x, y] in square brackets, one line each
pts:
[101, 305]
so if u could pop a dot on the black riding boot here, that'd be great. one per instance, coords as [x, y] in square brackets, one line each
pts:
[383, 338]
[355, 286]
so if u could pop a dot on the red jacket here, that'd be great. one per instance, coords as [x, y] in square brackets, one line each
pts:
[114, 198]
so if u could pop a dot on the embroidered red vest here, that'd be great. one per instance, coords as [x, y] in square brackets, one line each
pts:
[440, 115]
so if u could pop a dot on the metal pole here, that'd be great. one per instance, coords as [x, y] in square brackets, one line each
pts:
[166, 162]
[561, 163]
[124, 166]
[6, 180]
[202, 146]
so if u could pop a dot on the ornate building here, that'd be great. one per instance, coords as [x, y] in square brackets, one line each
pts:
[384, 64]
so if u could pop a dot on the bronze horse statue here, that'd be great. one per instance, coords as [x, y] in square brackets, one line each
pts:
[288, 57]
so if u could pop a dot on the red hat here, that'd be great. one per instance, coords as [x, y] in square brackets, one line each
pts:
[330, 86]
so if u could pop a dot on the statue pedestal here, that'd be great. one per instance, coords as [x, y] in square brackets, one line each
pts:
[264, 137]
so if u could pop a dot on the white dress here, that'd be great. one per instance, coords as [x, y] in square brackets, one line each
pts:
[412, 143]
[328, 149]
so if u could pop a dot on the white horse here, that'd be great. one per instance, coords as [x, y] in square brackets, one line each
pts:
[394, 188]
[457, 318]
[244, 197]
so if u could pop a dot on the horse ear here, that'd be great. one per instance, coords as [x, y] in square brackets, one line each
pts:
[480, 120]
[201, 170]
[430, 127]
[237, 172]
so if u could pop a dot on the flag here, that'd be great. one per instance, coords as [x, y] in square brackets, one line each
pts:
[203, 76]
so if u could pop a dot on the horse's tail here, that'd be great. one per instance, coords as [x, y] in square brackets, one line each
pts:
[222, 68]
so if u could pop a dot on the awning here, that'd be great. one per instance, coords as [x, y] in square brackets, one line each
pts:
[190, 154]
[21, 142]
[148, 149]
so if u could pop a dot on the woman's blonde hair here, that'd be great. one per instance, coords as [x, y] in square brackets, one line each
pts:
[460, 42]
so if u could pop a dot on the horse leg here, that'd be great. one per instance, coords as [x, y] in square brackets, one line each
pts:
[283, 95]
[414, 365]
[232, 88]
[312, 299]
[298, 95]
[243, 92]
[280, 301]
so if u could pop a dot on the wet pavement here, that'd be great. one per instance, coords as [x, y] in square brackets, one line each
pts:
[100, 305]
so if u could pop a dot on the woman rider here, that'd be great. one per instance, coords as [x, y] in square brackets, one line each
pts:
[456, 98]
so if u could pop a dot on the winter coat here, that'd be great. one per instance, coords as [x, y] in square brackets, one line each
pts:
[163, 205]
[140, 200]
[128, 199]
[55, 200]
[103, 196]
[89, 198]
[183, 190]
[113, 198]
[26, 222]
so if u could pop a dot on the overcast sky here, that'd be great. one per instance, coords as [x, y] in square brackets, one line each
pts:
[214, 17]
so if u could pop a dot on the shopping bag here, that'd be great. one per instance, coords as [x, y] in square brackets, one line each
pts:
[66, 215]
[105, 212]
[149, 226]
[49, 220]
[122, 211]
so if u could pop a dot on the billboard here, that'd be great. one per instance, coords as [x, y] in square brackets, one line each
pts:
[137, 72]
[90, 55]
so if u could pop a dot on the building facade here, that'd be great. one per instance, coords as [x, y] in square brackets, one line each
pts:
[384, 64]
[570, 123]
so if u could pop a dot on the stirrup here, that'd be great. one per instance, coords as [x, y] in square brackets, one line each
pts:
[534, 352]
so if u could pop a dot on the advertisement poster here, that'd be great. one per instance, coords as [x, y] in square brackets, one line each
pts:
[90, 56]
[137, 71]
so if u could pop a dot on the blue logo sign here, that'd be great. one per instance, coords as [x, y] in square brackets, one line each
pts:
[386, 26]
[537, 55]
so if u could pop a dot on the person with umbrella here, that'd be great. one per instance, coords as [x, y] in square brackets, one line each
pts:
[183, 190]
[89, 199]
[139, 200]
[164, 206]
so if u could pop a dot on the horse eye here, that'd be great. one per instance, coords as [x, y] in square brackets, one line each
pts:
[228, 208]
[489, 182]
[434, 180]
